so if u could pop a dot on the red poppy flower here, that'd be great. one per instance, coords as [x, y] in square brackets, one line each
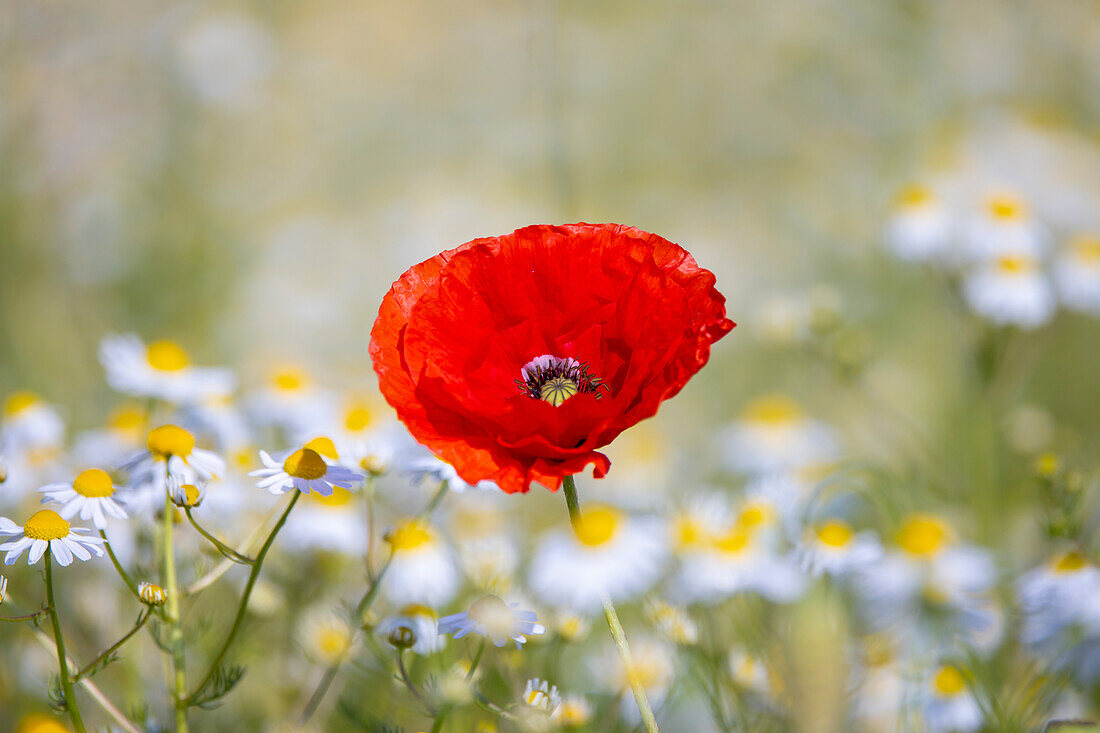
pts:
[515, 358]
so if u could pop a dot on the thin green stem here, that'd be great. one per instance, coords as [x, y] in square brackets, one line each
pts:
[88, 668]
[360, 609]
[404, 674]
[573, 504]
[118, 566]
[253, 576]
[28, 617]
[172, 615]
[59, 642]
[477, 660]
[227, 551]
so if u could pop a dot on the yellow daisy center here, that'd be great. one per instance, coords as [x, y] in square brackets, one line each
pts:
[913, 196]
[332, 641]
[93, 484]
[191, 494]
[834, 533]
[357, 418]
[1015, 264]
[922, 535]
[305, 463]
[243, 458]
[19, 401]
[1047, 465]
[416, 609]
[127, 419]
[1005, 208]
[949, 681]
[340, 498]
[289, 380]
[688, 533]
[1070, 562]
[170, 440]
[735, 541]
[558, 390]
[166, 356]
[773, 410]
[323, 446]
[597, 526]
[1086, 249]
[409, 536]
[754, 514]
[40, 724]
[46, 524]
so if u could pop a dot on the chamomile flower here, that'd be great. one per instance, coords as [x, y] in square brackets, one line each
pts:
[91, 494]
[423, 569]
[161, 369]
[45, 529]
[3, 588]
[653, 666]
[495, 620]
[334, 523]
[919, 229]
[609, 553]
[949, 707]
[170, 451]
[748, 671]
[774, 434]
[1077, 275]
[541, 696]
[833, 548]
[152, 595]
[1011, 290]
[1055, 597]
[1004, 226]
[672, 622]
[418, 624]
[291, 400]
[324, 636]
[304, 469]
[30, 424]
[116, 441]
[574, 712]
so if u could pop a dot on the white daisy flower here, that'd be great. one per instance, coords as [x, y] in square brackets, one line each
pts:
[1077, 275]
[323, 635]
[833, 548]
[305, 469]
[152, 595]
[920, 228]
[541, 696]
[47, 530]
[574, 712]
[1011, 290]
[429, 468]
[949, 707]
[672, 622]
[418, 628]
[30, 425]
[161, 369]
[90, 494]
[423, 568]
[334, 523]
[774, 434]
[609, 553]
[3, 588]
[292, 401]
[749, 671]
[171, 452]
[225, 59]
[653, 666]
[497, 621]
[119, 439]
[1005, 226]
[1055, 597]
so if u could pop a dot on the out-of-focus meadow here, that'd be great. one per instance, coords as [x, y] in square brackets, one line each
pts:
[874, 508]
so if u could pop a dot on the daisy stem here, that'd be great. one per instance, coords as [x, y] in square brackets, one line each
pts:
[118, 566]
[90, 667]
[228, 552]
[253, 576]
[569, 487]
[477, 660]
[175, 629]
[59, 642]
[404, 674]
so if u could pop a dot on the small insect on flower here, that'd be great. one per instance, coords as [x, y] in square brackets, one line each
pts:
[495, 620]
[91, 494]
[542, 696]
[45, 529]
[307, 469]
[152, 595]
[161, 369]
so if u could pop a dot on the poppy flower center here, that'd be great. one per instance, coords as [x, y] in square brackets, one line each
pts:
[93, 484]
[555, 379]
[46, 525]
[305, 463]
[170, 440]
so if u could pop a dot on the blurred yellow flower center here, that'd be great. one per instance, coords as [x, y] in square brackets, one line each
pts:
[558, 390]
[126, 419]
[834, 533]
[645, 671]
[305, 463]
[949, 681]
[688, 533]
[46, 524]
[289, 380]
[19, 401]
[773, 410]
[922, 535]
[1015, 264]
[93, 483]
[416, 609]
[735, 541]
[170, 440]
[913, 196]
[1070, 562]
[166, 356]
[243, 458]
[1047, 465]
[493, 614]
[1005, 208]
[357, 418]
[573, 713]
[40, 724]
[1087, 250]
[409, 536]
[340, 497]
[323, 446]
[755, 514]
[332, 642]
[596, 526]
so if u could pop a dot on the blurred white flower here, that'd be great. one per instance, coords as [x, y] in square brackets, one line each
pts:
[1055, 598]
[161, 369]
[291, 401]
[30, 426]
[492, 618]
[119, 439]
[171, 452]
[542, 696]
[774, 434]
[226, 59]
[324, 636]
[423, 568]
[949, 707]
[90, 495]
[833, 548]
[1005, 227]
[920, 227]
[653, 667]
[46, 529]
[335, 523]
[1076, 274]
[1011, 290]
